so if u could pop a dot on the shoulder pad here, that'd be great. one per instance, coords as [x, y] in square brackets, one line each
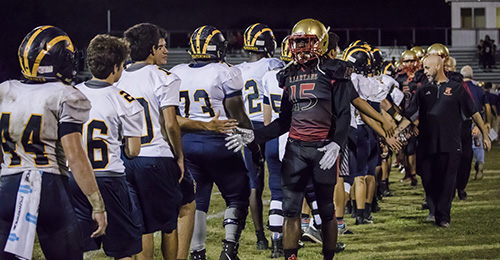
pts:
[337, 69]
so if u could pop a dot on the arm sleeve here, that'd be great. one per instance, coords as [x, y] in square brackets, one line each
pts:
[74, 106]
[342, 108]
[411, 113]
[353, 94]
[466, 104]
[279, 126]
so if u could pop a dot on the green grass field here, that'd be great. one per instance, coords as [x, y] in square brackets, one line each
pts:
[400, 230]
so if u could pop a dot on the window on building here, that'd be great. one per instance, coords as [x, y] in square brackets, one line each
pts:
[498, 17]
[479, 18]
[466, 15]
[473, 18]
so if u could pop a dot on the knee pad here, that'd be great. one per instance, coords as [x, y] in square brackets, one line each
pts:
[327, 211]
[292, 203]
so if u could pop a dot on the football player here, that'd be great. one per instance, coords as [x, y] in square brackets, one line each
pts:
[182, 236]
[155, 174]
[114, 114]
[275, 149]
[410, 64]
[41, 124]
[209, 87]
[315, 98]
[260, 44]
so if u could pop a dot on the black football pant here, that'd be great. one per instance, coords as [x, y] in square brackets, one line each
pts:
[439, 174]
[467, 154]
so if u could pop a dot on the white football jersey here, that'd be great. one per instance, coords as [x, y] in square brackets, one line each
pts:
[362, 85]
[253, 95]
[115, 114]
[204, 88]
[272, 92]
[380, 89]
[31, 114]
[396, 94]
[154, 88]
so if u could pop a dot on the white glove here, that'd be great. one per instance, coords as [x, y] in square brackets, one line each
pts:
[239, 138]
[331, 153]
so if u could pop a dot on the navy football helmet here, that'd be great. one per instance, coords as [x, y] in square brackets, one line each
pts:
[207, 43]
[377, 60]
[361, 58]
[286, 54]
[388, 69]
[47, 54]
[259, 38]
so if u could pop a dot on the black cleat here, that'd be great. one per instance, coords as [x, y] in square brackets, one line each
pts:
[229, 251]
[199, 255]
[277, 248]
[340, 247]
[262, 244]
[462, 195]
[363, 221]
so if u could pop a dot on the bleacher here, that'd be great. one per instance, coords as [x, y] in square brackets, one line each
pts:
[464, 56]
[468, 56]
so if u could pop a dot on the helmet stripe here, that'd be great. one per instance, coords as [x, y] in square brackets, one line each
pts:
[350, 52]
[250, 33]
[49, 46]
[191, 41]
[259, 33]
[387, 67]
[198, 35]
[28, 46]
[209, 37]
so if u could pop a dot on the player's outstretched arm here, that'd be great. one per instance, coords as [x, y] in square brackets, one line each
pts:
[84, 177]
[215, 125]
[369, 111]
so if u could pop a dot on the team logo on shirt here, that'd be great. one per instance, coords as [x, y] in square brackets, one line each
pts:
[447, 91]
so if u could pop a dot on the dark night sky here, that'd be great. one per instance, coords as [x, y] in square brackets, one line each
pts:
[83, 19]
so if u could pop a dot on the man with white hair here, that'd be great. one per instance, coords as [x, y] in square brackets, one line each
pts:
[483, 107]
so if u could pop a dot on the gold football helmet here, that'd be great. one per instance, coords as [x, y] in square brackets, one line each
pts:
[309, 40]
[409, 62]
[438, 49]
[419, 51]
[450, 64]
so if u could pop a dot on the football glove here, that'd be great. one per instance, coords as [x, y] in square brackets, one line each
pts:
[239, 138]
[331, 153]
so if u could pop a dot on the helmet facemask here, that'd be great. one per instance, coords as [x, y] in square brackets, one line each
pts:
[304, 47]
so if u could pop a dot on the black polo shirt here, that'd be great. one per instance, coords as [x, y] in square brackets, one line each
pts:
[440, 110]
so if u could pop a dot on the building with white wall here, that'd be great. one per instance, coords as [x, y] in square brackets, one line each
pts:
[472, 20]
